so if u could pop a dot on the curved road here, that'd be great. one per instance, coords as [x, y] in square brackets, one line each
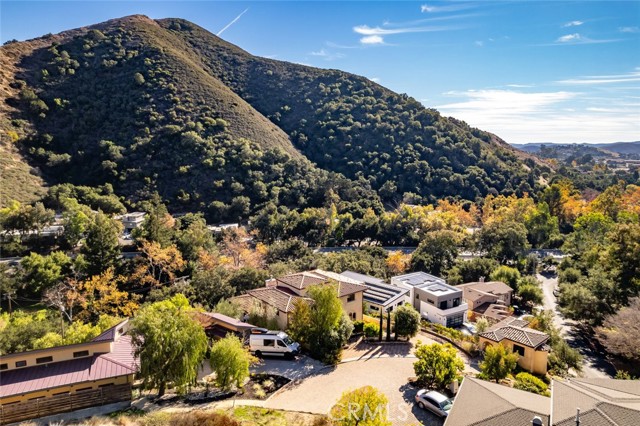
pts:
[594, 364]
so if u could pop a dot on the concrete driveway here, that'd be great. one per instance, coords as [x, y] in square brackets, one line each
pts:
[318, 392]
[296, 369]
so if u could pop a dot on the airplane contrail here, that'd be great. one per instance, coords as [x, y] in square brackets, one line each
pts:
[232, 22]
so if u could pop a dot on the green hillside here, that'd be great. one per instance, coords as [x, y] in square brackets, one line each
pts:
[167, 106]
[349, 124]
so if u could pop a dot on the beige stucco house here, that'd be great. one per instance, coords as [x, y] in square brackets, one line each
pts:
[490, 299]
[514, 334]
[281, 294]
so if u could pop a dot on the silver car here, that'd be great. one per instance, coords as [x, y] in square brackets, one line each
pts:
[434, 401]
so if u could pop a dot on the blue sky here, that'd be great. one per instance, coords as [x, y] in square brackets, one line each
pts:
[529, 71]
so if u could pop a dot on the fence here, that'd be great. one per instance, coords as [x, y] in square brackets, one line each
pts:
[46, 406]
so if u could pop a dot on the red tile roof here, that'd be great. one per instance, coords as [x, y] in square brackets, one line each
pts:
[513, 329]
[272, 296]
[302, 280]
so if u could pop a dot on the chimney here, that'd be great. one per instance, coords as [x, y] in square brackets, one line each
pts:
[481, 279]
[271, 282]
[537, 421]
[578, 417]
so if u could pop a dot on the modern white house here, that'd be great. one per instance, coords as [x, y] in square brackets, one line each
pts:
[436, 300]
[131, 221]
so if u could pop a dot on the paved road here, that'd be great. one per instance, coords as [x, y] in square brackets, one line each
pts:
[319, 392]
[595, 364]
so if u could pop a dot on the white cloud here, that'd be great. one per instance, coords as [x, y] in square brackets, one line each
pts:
[375, 79]
[372, 39]
[506, 100]
[520, 117]
[569, 38]
[479, 43]
[342, 46]
[577, 38]
[327, 55]
[629, 29]
[519, 86]
[232, 22]
[573, 24]
[603, 79]
[368, 31]
[426, 8]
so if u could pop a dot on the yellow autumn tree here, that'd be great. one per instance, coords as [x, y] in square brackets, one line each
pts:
[464, 218]
[101, 296]
[398, 262]
[498, 209]
[237, 251]
[157, 265]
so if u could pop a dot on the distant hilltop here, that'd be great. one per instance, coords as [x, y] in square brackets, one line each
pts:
[615, 147]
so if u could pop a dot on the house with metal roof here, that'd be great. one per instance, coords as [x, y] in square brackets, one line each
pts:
[529, 344]
[379, 295]
[436, 300]
[218, 326]
[55, 380]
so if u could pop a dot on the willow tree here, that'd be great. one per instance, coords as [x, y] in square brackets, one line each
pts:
[169, 344]
[230, 360]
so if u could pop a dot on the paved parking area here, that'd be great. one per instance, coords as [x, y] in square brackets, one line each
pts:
[299, 368]
[320, 391]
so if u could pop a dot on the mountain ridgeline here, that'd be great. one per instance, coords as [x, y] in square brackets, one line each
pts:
[166, 106]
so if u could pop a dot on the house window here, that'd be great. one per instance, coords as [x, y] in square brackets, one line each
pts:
[106, 385]
[518, 349]
[432, 302]
[417, 296]
[455, 320]
[351, 298]
[83, 389]
[44, 359]
[443, 304]
[61, 393]
[21, 363]
[80, 354]
[456, 302]
[352, 315]
[4, 366]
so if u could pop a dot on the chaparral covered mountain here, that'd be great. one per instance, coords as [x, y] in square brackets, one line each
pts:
[164, 105]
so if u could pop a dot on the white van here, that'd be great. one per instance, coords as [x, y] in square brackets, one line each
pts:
[264, 342]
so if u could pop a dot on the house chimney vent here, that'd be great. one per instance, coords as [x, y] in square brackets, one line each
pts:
[537, 421]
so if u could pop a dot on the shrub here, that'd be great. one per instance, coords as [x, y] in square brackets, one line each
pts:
[407, 320]
[203, 418]
[371, 329]
[498, 363]
[437, 364]
[358, 326]
[530, 383]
